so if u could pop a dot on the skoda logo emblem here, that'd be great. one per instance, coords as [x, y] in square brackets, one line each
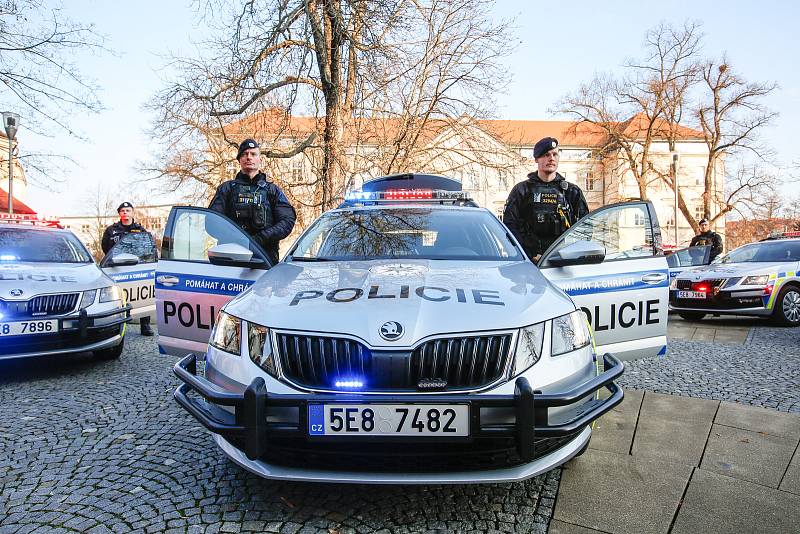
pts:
[391, 330]
[15, 292]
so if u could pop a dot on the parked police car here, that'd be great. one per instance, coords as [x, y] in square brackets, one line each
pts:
[759, 279]
[53, 297]
[405, 337]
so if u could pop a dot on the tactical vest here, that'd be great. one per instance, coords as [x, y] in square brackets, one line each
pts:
[251, 207]
[549, 209]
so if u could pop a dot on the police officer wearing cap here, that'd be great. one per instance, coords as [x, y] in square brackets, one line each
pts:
[254, 203]
[542, 207]
[708, 237]
[111, 237]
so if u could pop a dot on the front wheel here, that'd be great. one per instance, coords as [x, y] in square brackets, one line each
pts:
[111, 353]
[787, 307]
[691, 316]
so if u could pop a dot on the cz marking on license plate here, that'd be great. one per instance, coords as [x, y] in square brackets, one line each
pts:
[691, 294]
[388, 420]
[26, 328]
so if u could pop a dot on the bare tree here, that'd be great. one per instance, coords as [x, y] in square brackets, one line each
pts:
[642, 107]
[38, 75]
[653, 103]
[376, 78]
[731, 116]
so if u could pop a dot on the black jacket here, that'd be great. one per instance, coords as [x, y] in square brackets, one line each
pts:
[259, 207]
[534, 235]
[114, 232]
[708, 238]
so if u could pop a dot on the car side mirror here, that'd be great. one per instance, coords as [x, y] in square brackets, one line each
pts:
[234, 255]
[122, 260]
[578, 253]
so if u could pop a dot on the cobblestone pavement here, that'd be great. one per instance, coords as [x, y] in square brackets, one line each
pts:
[89, 446]
[764, 371]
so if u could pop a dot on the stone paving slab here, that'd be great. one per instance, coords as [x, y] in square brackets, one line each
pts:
[746, 455]
[614, 431]
[560, 527]
[674, 428]
[718, 504]
[791, 480]
[678, 329]
[620, 493]
[758, 420]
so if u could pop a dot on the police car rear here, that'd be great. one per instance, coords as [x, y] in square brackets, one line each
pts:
[53, 298]
[759, 279]
[405, 338]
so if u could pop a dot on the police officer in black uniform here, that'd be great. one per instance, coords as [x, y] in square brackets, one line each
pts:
[708, 237]
[111, 237]
[254, 203]
[542, 207]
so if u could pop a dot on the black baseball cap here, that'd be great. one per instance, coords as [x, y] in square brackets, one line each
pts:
[703, 220]
[246, 145]
[124, 205]
[544, 146]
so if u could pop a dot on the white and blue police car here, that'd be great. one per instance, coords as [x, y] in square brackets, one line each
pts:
[54, 299]
[758, 279]
[405, 337]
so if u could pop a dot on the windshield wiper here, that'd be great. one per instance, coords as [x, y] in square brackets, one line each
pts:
[309, 258]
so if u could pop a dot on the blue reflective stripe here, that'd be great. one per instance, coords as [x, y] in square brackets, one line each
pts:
[135, 275]
[781, 275]
[205, 284]
[663, 351]
[610, 282]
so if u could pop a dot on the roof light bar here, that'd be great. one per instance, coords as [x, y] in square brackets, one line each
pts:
[405, 194]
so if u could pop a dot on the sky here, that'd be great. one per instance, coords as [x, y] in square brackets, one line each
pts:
[559, 45]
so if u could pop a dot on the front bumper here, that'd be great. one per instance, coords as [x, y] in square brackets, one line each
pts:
[251, 439]
[725, 302]
[81, 333]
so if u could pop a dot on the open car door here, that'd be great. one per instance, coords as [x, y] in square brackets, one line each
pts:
[131, 263]
[206, 260]
[611, 264]
[686, 258]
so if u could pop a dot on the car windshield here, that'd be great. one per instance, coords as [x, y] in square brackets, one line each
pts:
[768, 251]
[40, 245]
[424, 233]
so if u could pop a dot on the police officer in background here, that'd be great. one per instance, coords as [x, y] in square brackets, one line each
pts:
[254, 203]
[111, 237]
[708, 237]
[542, 207]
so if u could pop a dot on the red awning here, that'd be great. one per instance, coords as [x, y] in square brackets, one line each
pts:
[19, 206]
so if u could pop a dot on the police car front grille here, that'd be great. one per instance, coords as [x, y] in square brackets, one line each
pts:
[317, 361]
[456, 363]
[464, 362]
[40, 306]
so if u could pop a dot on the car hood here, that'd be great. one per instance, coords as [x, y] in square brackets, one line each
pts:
[424, 296]
[38, 278]
[730, 270]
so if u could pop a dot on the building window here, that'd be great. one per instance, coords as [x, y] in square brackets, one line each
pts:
[698, 211]
[502, 178]
[85, 227]
[297, 170]
[639, 218]
[701, 176]
[592, 183]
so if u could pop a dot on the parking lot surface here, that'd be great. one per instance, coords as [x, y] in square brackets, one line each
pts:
[101, 447]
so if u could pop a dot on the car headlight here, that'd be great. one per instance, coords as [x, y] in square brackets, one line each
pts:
[87, 299]
[570, 332]
[260, 348]
[756, 280]
[529, 347]
[110, 294]
[227, 334]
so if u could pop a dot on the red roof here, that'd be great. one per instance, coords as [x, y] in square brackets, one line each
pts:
[19, 206]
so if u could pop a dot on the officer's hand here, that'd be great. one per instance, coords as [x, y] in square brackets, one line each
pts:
[536, 258]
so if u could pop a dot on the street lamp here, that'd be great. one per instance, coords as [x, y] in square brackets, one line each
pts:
[11, 124]
[674, 170]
